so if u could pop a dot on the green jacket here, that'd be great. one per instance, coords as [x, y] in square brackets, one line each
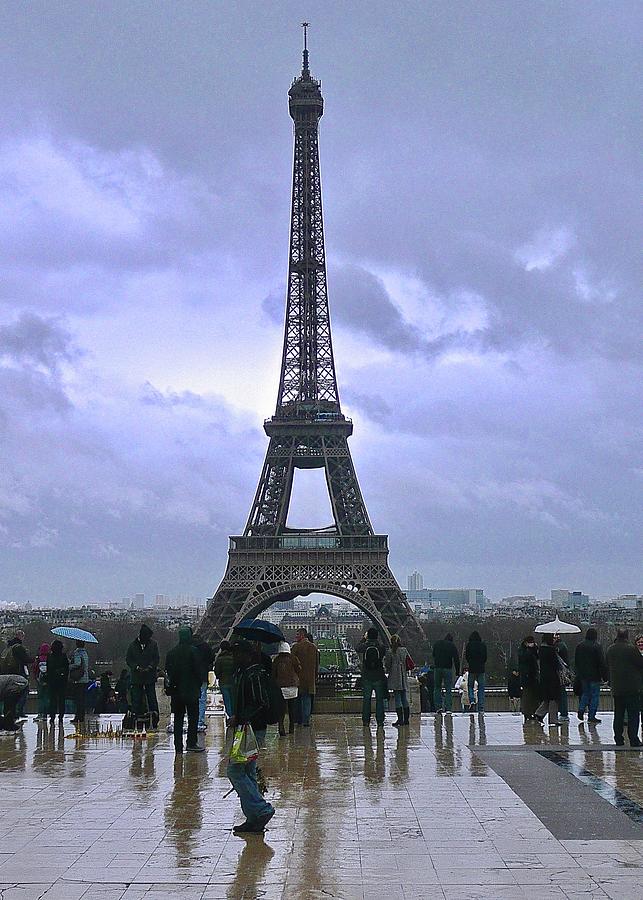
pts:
[183, 668]
[224, 669]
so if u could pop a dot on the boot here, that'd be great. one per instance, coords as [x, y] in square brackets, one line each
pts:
[407, 714]
[400, 717]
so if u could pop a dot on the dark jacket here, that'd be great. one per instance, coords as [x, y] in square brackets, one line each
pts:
[550, 684]
[513, 685]
[184, 669]
[252, 696]
[16, 659]
[286, 669]
[372, 673]
[206, 655]
[224, 668]
[625, 664]
[445, 655]
[589, 661]
[143, 657]
[475, 654]
[57, 669]
[528, 666]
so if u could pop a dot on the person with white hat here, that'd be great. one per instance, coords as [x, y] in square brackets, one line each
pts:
[285, 669]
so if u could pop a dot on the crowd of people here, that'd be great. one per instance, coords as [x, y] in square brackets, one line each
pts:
[259, 690]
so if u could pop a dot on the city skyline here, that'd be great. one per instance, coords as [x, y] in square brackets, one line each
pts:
[482, 284]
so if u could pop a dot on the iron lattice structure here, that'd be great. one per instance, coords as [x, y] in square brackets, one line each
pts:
[271, 562]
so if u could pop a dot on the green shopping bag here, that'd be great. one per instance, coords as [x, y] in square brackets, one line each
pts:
[244, 745]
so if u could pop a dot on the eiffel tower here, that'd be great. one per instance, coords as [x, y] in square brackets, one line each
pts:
[271, 562]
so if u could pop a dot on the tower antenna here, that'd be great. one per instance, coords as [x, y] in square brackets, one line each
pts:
[305, 70]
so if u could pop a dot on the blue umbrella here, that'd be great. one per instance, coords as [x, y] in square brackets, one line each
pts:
[76, 634]
[258, 630]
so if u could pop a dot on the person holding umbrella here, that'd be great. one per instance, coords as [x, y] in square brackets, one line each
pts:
[79, 674]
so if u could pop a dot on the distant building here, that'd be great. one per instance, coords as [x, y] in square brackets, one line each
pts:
[139, 601]
[519, 600]
[161, 601]
[447, 597]
[324, 621]
[569, 599]
[415, 581]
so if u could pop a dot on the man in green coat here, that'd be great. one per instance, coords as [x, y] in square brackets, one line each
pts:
[184, 674]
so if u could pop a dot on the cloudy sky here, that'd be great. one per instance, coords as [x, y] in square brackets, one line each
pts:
[481, 174]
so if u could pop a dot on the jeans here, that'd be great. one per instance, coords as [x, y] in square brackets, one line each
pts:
[180, 707]
[481, 679]
[563, 703]
[443, 676]
[401, 699]
[629, 702]
[228, 695]
[148, 692]
[589, 698]
[203, 699]
[243, 777]
[367, 691]
[305, 704]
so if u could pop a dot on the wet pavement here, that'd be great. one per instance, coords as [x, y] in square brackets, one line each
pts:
[360, 814]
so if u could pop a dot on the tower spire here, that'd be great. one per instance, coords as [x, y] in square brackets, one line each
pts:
[305, 71]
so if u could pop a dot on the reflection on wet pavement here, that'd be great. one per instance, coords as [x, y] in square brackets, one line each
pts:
[360, 813]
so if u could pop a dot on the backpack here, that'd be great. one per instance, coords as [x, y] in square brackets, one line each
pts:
[372, 658]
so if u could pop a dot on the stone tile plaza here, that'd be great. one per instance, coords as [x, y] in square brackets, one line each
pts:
[455, 807]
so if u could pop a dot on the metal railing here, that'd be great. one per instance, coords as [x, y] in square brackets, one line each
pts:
[307, 541]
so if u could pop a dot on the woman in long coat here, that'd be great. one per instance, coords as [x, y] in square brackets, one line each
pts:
[398, 679]
[529, 676]
[286, 669]
[550, 685]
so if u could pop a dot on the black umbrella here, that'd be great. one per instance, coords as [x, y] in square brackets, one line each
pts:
[258, 630]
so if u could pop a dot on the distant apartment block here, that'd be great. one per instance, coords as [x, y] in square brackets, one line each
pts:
[415, 581]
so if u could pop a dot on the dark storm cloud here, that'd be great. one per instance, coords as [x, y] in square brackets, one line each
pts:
[481, 171]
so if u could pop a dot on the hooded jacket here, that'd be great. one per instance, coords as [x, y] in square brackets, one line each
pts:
[475, 654]
[57, 665]
[143, 657]
[589, 661]
[184, 668]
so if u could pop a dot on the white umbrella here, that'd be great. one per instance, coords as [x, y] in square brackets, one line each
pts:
[557, 627]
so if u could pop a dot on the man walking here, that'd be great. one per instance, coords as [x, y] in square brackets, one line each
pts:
[143, 660]
[446, 659]
[589, 663]
[625, 665]
[373, 676]
[184, 670]
[251, 707]
[306, 652]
